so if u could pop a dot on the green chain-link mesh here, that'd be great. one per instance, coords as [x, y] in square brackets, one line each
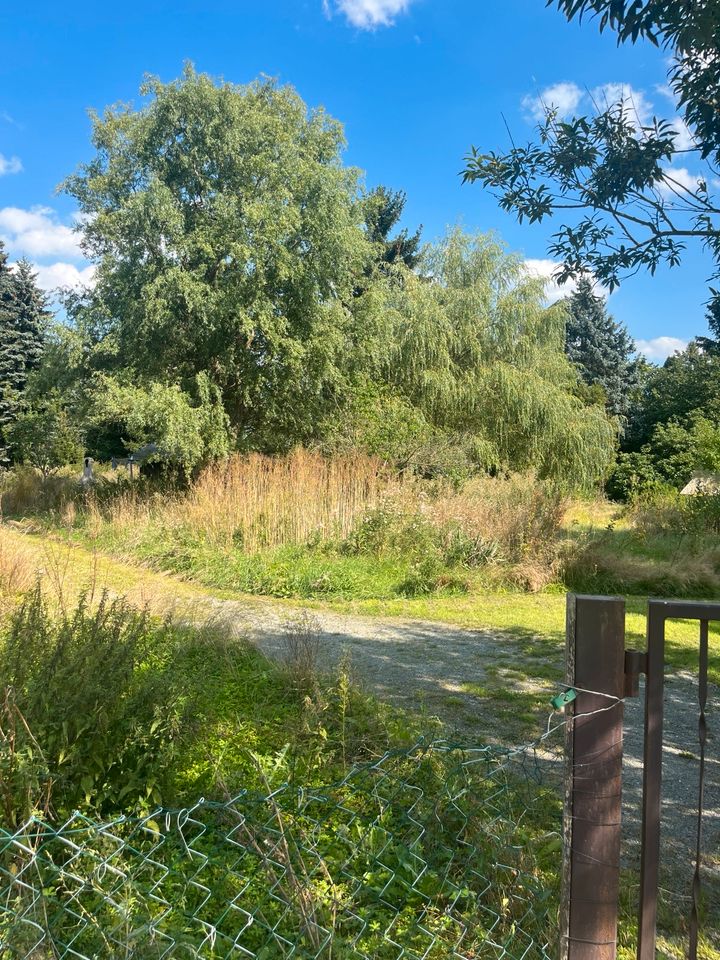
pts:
[432, 852]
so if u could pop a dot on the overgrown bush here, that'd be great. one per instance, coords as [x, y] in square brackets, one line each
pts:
[669, 512]
[104, 709]
[85, 722]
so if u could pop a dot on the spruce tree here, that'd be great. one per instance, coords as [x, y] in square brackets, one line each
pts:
[601, 349]
[23, 313]
[32, 315]
[383, 210]
[711, 344]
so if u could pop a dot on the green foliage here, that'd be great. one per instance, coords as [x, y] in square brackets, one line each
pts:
[93, 727]
[602, 349]
[675, 428]
[229, 238]
[122, 417]
[45, 437]
[690, 31]
[688, 384]
[107, 710]
[473, 347]
[633, 213]
[381, 423]
[430, 850]
[23, 316]
[231, 241]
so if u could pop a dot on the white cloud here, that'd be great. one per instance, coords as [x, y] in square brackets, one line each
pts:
[660, 348]
[563, 97]
[368, 14]
[544, 269]
[677, 180]
[636, 107]
[38, 233]
[63, 275]
[9, 165]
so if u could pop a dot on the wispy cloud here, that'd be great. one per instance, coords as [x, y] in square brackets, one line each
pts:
[368, 14]
[660, 348]
[636, 107]
[38, 233]
[9, 165]
[565, 98]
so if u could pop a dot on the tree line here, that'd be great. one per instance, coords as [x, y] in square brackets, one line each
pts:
[250, 293]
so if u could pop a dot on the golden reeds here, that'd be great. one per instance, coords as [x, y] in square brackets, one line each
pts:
[256, 501]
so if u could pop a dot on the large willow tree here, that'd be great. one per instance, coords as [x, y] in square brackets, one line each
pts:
[229, 237]
[474, 346]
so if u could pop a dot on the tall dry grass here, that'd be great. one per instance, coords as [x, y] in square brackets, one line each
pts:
[254, 502]
[17, 570]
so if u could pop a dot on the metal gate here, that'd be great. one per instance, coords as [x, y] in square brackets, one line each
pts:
[600, 674]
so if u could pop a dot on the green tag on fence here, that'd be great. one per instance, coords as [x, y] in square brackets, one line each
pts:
[563, 699]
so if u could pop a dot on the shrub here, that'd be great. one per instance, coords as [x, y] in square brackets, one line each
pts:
[45, 437]
[669, 512]
[84, 723]
[121, 417]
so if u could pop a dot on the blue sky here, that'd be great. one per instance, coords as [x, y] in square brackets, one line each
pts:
[415, 82]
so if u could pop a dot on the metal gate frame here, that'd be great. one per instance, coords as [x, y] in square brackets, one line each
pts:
[659, 612]
[599, 667]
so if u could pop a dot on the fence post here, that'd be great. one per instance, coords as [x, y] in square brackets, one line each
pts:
[595, 660]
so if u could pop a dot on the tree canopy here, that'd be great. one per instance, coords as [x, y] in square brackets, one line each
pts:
[228, 237]
[250, 293]
[611, 175]
[474, 347]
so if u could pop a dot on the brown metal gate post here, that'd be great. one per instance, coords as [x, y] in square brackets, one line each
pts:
[591, 869]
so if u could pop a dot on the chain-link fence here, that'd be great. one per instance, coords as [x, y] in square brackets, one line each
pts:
[431, 852]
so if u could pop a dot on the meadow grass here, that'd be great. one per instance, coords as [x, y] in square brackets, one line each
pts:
[241, 704]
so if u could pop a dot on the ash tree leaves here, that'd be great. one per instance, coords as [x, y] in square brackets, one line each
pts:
[610, 180]
[691, 31]
[610, 175]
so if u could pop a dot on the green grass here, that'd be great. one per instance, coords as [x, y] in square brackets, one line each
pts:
[323, 801]
[536, 621]
[241, 704]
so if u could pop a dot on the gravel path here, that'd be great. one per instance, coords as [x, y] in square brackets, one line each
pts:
[426, 666]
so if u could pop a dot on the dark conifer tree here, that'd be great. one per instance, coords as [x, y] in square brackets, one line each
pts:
[602, 350]
[711, 344]
[23, 314]
[384, 208]
[32, 315]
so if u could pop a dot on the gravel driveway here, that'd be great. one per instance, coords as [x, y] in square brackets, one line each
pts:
[426, 667]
